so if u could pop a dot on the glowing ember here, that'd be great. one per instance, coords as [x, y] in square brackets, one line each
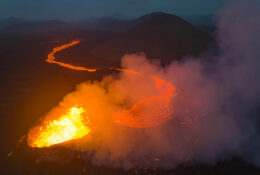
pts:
[70, 126]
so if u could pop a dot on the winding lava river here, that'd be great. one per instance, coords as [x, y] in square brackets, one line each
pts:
[74, 124]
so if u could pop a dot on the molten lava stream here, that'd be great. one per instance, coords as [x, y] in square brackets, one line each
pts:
[51, 57]
[74, 123]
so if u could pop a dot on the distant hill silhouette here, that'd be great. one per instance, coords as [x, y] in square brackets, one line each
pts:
[114, 24]
[111, 24]
[159, 35]
[10, 21]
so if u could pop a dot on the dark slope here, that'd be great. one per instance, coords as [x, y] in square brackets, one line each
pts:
[159, 35]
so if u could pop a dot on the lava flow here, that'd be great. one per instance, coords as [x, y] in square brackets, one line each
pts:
[73, 123]
[51, 57]
[151, 111]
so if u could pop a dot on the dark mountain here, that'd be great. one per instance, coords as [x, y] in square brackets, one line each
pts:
[10, 21]
[159, 35]
[107, 24]
[149, 15]
[113, 23]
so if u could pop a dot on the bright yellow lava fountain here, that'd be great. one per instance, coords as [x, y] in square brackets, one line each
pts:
[70, 126]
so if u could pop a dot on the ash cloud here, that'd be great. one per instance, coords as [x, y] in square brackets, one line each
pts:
[215, 111]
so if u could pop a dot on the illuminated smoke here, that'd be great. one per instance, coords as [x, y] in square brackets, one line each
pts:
[211, 116]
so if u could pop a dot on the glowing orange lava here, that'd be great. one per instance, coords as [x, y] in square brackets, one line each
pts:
[74, 124]
[51, 57]
[70, 126]
[151, 111]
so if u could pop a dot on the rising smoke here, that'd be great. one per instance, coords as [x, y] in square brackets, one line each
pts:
[214, 111]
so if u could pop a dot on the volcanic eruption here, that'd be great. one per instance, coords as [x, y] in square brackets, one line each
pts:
[121, 120]
[64, 125]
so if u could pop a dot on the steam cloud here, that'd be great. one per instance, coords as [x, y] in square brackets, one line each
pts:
[214, 112]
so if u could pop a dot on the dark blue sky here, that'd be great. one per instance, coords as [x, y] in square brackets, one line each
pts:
[80, 9]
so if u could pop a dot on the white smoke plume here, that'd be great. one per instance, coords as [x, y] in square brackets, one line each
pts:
[213, 112]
